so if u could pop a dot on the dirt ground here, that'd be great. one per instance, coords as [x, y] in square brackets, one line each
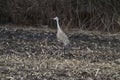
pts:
[35, 54]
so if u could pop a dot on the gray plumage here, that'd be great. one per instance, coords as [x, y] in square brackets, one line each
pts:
[61, 36]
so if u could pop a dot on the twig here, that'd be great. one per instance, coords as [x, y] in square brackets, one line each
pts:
[97, 72]
[15, 52]
[28, 54]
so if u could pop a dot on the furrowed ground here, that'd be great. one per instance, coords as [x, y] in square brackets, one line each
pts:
[34, 54]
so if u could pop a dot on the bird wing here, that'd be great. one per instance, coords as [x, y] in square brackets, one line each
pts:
[62, 37]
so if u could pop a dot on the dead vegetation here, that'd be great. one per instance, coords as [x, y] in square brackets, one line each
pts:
[30, 53]
[97, 15]
[36, 55]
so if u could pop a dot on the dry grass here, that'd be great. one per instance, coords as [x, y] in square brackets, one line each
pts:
[17, 67]
[33, 54]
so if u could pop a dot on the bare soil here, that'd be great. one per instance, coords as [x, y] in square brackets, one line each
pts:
[35, 54]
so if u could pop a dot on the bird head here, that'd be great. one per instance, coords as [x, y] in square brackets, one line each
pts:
[56, 18]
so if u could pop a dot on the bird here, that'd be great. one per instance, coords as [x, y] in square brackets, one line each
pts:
[61, 36]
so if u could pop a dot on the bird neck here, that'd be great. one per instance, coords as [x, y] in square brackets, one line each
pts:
[58, 26]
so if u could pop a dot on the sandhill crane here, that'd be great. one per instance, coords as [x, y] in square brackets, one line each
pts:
[61, 36]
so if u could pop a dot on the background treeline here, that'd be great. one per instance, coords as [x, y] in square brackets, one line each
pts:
[102, 15]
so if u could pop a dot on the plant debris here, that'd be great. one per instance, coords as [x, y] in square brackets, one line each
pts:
[37, 55]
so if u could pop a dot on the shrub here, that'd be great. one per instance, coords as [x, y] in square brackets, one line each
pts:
[84, 14]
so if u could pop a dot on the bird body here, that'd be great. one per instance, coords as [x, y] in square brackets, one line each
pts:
[61, 36]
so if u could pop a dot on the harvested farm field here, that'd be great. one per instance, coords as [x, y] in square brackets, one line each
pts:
[35, 54]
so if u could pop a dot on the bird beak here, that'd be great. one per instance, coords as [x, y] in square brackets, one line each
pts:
[53, 18]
